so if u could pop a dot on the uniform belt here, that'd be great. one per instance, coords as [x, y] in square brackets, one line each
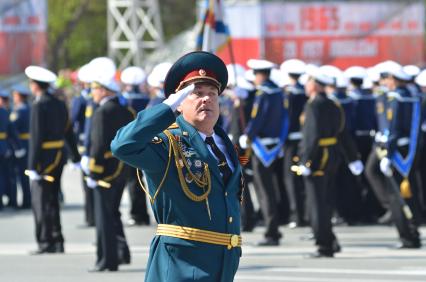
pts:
[24, 136]
[53, 144]
[329, 141]
[269, 141]
[3, 135]
[403, 141]
[205, 236]
[295, 135]
[370, 133]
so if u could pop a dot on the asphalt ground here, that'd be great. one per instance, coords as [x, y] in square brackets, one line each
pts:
[367, 256]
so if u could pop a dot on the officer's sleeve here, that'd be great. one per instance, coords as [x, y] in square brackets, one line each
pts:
[132, 143]
[309, 143]
[71, 142]
[36, 129]
[258, 116]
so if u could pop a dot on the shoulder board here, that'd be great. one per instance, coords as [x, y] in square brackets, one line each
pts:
[173, 126]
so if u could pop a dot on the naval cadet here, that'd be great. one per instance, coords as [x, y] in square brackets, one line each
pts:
[394, 159]
[49, 129]
[193, 175]
[295, 95]
[132, 79]
[319, 159]
[20, 117]
[107, 175]
[265, 133]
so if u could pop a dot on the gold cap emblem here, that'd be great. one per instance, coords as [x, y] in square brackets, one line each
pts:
[202, 72]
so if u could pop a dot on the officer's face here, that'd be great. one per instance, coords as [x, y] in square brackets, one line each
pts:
[310, 86]
[98, 93]
[201, 108]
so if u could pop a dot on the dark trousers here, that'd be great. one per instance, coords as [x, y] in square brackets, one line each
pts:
[10, 181]
[21, 165]
[89, 214]
[294, 185]
[45, 205]
[111, 242]
[283, 205]
[248, 215]
[407, 229]
[138, 207]
[320, 199]
[267, 191]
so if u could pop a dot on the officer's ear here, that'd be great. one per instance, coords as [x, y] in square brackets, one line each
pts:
[179, 109]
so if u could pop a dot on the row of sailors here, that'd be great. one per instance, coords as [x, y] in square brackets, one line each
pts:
[256, 97]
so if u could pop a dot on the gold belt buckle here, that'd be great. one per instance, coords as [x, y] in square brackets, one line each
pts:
[234, 241]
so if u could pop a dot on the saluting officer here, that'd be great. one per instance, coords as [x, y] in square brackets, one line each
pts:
[49, 129]
[266, 132]
[394, 159]
[295, 95]
[107, 174]
[320, 157]
[132, 78]
[193, 175]
[20, 117]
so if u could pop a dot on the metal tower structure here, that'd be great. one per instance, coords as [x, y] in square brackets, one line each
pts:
[134, 28]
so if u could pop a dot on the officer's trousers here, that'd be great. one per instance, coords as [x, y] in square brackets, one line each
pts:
[320, 199]
[267, 191]
[382, 186]
[138, 207]
[45, 205]
[21, 165]
[112, 248]
[294, 185]
[89, 214]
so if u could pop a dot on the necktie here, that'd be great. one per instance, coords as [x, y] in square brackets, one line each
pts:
[225, 170]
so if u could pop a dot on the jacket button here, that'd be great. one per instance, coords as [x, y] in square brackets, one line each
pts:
[226, 194]
[230, 219]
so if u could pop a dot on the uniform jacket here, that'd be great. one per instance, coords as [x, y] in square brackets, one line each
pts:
[143, 144]
[49, 123]
[107, 119]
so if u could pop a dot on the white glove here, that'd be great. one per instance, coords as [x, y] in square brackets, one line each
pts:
[84, 164]
[33, 175]
[20, 153]
[385, 166]
[305, 171]
[356, 167]
[174, 100]
[91, 183]
[243, 141]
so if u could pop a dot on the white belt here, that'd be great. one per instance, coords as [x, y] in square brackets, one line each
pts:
[269, 141]
[295, 135]
[365, 132]
[380, 138]
[403, 141]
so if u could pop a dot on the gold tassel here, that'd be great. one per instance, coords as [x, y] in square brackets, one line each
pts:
[406, 189]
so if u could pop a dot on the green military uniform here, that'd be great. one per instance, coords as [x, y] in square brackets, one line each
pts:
[198, 215]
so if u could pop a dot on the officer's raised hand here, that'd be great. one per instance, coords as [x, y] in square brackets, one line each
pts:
[175, 99]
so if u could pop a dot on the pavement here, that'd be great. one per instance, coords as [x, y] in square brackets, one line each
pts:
[367, 254]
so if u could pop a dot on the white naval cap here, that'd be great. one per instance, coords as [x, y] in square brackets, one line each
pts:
[330, 70]
[85, 73]
[373, 74]
[158, 74]
[421, 78]
[400, 74]
[341, 81]
[321, 75]
[23, 90]
[387, 66]
[256, 64]
[355, 72]
[133, 75]
[40, 74]
[293, 66]
[411, 70]
[278, 78]
[104, 65]
[108, 83]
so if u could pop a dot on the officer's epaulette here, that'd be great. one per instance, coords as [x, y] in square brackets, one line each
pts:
[173, 126]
